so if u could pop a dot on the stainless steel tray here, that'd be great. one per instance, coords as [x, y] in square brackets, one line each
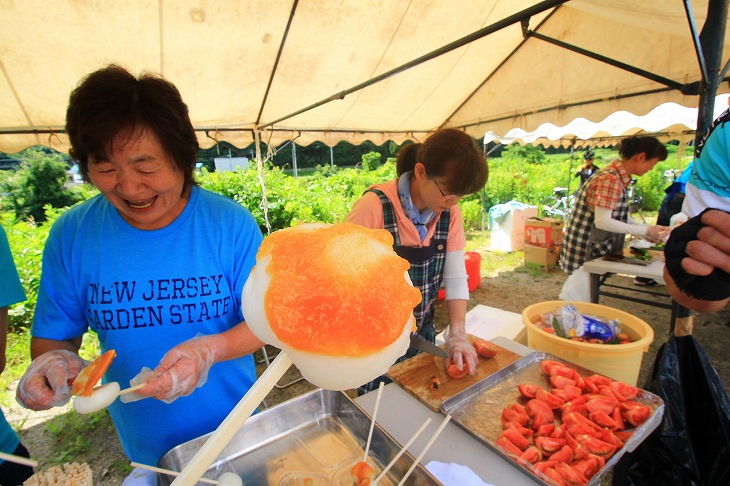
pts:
[478, 408]
[312, 439]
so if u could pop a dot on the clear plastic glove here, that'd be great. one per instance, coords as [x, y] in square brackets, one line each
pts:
[183, 369]
[47, 381]
[461, 351]
[658, 234]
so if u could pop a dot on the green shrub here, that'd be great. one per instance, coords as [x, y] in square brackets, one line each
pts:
[39, 181]
[524, 153]
[26, 240]
[371, 160]
[326, 196]
[512, 179]
[471, 211]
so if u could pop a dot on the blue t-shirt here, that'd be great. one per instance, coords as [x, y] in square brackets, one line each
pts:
[144, 292]
[708, 185]
[11, 292]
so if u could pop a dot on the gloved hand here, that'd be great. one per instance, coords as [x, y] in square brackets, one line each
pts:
[183, 369]
[658, 234]
[47, 381]
[461, 351]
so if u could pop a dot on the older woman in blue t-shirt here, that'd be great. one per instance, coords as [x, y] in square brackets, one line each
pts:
[154, 265]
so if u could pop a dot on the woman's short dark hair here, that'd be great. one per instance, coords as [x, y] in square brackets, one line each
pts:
[110, 101]
[651, 146]
[453, 154]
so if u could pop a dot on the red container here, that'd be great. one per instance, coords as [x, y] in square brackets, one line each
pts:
[473, 261]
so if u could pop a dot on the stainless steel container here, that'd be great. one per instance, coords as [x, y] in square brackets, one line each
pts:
[313, 439]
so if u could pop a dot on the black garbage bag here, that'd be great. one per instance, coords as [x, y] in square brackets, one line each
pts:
[692, 444]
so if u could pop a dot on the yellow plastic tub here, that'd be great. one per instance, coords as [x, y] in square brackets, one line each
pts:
[617, 361]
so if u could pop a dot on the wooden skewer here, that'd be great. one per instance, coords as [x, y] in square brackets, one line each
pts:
[132, 388]
[18, 460]
[403, 449]
[168, 471]
[425, 449]
[122, 392]
[372, 424]
[101, 397]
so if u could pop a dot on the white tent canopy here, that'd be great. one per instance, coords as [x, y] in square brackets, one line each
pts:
[333, 70]
[668, 121]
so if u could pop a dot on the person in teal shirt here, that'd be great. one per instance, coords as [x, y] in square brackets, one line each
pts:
[11, 292]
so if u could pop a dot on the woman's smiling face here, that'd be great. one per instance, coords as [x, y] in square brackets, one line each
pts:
[140, 180]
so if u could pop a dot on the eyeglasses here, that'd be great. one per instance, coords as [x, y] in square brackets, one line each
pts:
[444, 195]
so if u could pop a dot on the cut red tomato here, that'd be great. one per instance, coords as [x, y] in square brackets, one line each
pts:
[626, 391]
[362, 473]
[485, 349]
[527, 390]
[454, 372]
[85, 381]
[592, 413]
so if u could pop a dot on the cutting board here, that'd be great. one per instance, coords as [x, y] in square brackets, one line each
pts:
[415, 374]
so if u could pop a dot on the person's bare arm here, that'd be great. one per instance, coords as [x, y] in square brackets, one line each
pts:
[240, 342]
[3, 336]
[39, 346]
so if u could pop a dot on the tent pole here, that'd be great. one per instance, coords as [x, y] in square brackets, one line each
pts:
[570, 169]
[276, 62]
[260, 166]
[490, 29]
[711, 41]
[484, 189]
[294, 158]
[607, 60]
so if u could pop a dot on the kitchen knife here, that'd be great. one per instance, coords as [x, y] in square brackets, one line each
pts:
[422, 345]
[624, 259]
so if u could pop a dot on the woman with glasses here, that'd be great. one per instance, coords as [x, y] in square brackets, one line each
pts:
[420, 209]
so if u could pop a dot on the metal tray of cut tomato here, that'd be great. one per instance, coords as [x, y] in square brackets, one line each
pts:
[557, 422]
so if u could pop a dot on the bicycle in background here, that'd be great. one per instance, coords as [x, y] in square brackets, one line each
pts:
[559, 205]
[635, 199]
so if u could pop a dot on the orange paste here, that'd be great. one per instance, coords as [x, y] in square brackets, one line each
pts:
[334, 292]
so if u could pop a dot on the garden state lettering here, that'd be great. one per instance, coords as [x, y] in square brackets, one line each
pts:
[157, 302]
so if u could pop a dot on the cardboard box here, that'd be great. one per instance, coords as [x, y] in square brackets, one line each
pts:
[545, 232]
[545, 258]
[508, 230]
